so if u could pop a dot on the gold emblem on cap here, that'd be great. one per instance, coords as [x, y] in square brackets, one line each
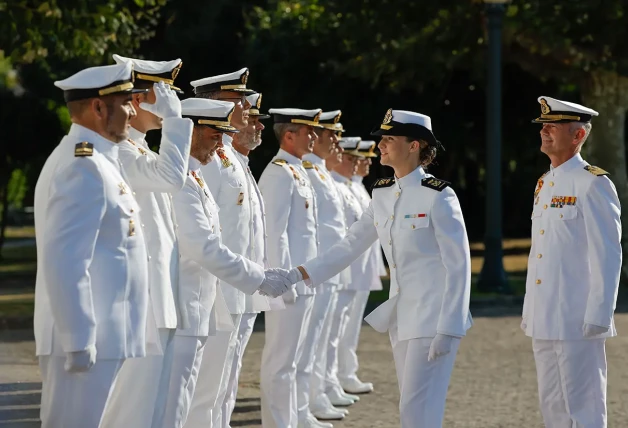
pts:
[258, 104]
[176, 70]
[230, 114]
[388, 117]
[245, 77]
[337, 118]
[317, 117]
[545, 109]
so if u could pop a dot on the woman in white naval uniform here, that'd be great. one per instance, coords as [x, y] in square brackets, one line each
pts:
[419, 222]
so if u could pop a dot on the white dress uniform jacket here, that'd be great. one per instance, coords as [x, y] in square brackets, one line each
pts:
[258, 250]
[575, 259]
[358, 278]
[154, 177]
[92, 276]
[226, 180]
[292, 227]
[331, 219]
[204, 258]
[376, 263]
[419, 219]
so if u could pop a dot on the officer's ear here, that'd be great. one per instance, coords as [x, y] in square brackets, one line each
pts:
[136, 99]
[99, 108]
[415, 145]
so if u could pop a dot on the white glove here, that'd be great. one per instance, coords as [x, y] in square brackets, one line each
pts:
[275, 282]
[524, 325]
[80, 361]
[590, 330]
[441, 345]
[167, 104]
[290, 296]
[295, 275]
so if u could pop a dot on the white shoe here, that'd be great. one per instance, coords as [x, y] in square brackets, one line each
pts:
[324, 405]
[328, 414]
[356, 386]
[338, 398]
[311, 422]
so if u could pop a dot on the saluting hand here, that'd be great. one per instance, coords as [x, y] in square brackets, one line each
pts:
[167, 103]
[80, 361]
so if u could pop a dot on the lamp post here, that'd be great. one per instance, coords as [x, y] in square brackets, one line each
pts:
[493, 276]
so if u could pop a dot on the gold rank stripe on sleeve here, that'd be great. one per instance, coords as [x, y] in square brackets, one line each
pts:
[596, 170]
[435, 183]
[308, 165]
[83, 149]
[383, 182]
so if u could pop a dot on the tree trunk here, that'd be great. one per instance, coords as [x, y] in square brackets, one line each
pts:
[607, 93]
[5, 214]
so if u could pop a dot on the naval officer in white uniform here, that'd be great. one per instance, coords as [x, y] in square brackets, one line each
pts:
[573, 272]
[91, 293]
[332, 229]
[226, 180]
[141, 389]
[205, 261]
[290, 204]
[243, 143]
[420, 220]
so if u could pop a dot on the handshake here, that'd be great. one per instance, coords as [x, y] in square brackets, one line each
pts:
[280, 281]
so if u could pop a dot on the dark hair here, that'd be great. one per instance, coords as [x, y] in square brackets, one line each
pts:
[143, 84]
[427, 153]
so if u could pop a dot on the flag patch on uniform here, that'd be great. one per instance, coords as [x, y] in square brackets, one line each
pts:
[561, 201]
[415, 215]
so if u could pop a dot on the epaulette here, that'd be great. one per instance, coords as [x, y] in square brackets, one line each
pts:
[279, 162]
[596, 171]
[308, 164]
[383, 182]
[83, 149]
[435, 183]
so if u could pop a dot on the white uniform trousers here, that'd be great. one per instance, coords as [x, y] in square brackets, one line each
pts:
[213, 376]
[139, 397]
[572, 382]
[317, 381]
[75, 400]
[340, 318]
[186, 363]
[285, 334]
[244, 334]
[348, 345]
[312, 340]
[422, 384]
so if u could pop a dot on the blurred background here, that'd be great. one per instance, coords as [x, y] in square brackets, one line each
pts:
[360, 56]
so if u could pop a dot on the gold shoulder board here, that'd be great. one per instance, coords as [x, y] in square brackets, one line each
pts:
[384, 182]
[434, 183]
[308, 165]
[596, 171]
[83, 149]
[279, 162]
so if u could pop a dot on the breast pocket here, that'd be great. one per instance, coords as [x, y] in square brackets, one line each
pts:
[416, 223]
[564, 214]
[235, 192]
[305, 192]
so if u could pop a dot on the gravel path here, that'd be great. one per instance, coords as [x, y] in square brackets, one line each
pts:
[493, 385]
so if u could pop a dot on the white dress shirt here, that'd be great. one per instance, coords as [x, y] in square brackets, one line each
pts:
[154, 177]
[575, 259]
[290, 205]
[425, 240]
[92, 275]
